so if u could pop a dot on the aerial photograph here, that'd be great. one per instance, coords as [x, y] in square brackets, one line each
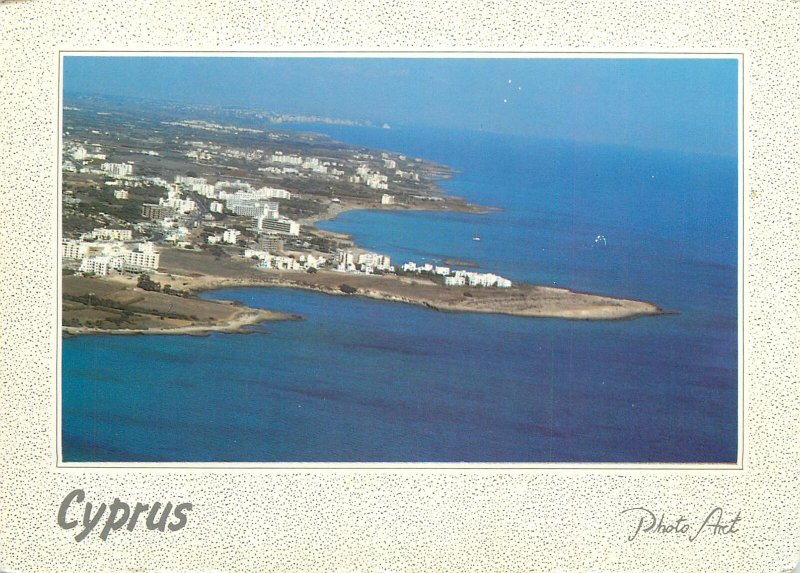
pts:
[406, 259]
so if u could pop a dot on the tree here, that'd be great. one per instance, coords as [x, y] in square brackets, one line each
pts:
[146, 283]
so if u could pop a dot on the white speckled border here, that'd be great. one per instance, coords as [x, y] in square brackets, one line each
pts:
[399, 519]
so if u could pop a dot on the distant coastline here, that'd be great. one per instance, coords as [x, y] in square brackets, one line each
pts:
[346, 178]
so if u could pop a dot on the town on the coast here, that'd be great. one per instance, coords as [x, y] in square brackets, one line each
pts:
[152, 203]
[194, 214]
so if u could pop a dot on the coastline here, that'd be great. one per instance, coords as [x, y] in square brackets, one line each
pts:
[522, 300]
[236, 325]
[116, 305]
[532, 301]
[454, 204]
[192, 271]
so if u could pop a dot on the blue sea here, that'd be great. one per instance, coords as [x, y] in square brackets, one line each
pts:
[368, 381]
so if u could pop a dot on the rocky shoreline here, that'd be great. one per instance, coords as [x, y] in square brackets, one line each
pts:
[523, 300]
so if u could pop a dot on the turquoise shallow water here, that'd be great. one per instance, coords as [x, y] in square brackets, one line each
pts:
[362, 380]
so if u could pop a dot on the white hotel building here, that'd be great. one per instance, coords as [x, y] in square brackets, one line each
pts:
[279, 157]
[271, 193]
[252, 207]
[374, 260]
[230, 236]
[102, 257]
[71, 249]
[101, 266]
[111, 234]
[281, 225]
[117, 169]
[459, 277]
[142, 258]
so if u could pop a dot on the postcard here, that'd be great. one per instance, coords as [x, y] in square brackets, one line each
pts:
[394, 310]
[509, 272]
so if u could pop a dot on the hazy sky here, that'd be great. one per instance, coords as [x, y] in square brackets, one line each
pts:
[686, 104]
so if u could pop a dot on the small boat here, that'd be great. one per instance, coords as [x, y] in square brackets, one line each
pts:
[476, 238]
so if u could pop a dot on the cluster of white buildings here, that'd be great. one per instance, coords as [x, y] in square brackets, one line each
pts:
[261, 205]
[202, 151]
[372, 179]
[117, 169]
[199, 155]
[377, 180]
[175, 200]
[109, 235]
[282, 262]
[313, 164]
[104, 257]
[81, 157]
[261, 193]
[197, 185]
[293, 164]
[223, 190]
[410, 175]
[80, 153]
[279, 157]
[348, 262]
[238, 198]
[458, 277]
[234, 197]
[140, 180]
[209, 126]
[462, 277]
[177, 234]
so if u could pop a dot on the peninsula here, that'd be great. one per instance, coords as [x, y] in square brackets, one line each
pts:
[158, 207]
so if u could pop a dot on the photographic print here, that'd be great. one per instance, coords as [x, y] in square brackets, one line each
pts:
[392, 259]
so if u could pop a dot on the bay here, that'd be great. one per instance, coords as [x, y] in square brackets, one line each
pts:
[363, 380]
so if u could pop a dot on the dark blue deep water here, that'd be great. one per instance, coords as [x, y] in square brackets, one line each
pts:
[367, 381]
